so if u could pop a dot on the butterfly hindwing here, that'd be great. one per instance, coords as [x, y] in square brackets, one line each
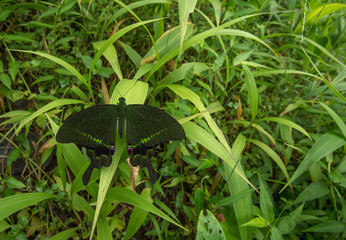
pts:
[140, 156]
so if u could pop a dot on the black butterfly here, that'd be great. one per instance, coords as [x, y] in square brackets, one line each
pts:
[95, 128]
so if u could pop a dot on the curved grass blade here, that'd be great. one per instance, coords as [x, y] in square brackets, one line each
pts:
[326, 144]
[12, 204]
[49, 106]
[62, 63]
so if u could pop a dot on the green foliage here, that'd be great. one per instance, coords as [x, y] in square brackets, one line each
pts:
[257, 85]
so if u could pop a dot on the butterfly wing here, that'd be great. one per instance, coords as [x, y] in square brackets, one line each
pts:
[92, 127]
[150, 126]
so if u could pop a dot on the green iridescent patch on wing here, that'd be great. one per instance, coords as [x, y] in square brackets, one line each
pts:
[94, 139]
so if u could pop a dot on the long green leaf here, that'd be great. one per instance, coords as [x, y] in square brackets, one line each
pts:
[48, 107]
[326, 144]
[103, 230]
[252, 91]
[287, 123]
[272, 154]
[336, 118]
[62, 63]
[64, 235]
[12, 204]
[237, 186]
[185, 9]
[127, 196]
[111, 55]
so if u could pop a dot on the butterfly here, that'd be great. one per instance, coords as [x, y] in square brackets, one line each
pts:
[95, 128]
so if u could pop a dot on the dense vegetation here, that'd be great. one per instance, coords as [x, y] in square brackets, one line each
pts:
[257, 85]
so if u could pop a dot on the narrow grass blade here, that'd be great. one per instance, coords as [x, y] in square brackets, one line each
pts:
[336, 118]
[64, 235]
[62, 63]
[185, 8]
[252, 91]
[111, 55]
[288, 123]
[272, 154]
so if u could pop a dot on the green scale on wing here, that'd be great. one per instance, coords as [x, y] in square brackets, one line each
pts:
[95, 128]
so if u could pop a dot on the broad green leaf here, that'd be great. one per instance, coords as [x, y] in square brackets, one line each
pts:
[103, 230]
[135, 92]
[259, 222]
[314, 191]
[5, 80]
[326, 144]
[252, 91]
[328, 227]
[82, 205]
[241, 58]
[12, 204]
[275, 234]
[13, 183]
[179, 74]
[266, 204]
[4, 225]
[237, 186]
[209, 228]
[142, 70]
[288, 223]
[13, 68]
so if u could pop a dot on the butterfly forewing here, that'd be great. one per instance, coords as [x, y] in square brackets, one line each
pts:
[91, 127]
[150, 126]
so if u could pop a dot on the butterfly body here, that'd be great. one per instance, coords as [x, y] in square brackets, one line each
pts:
[96, 127]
